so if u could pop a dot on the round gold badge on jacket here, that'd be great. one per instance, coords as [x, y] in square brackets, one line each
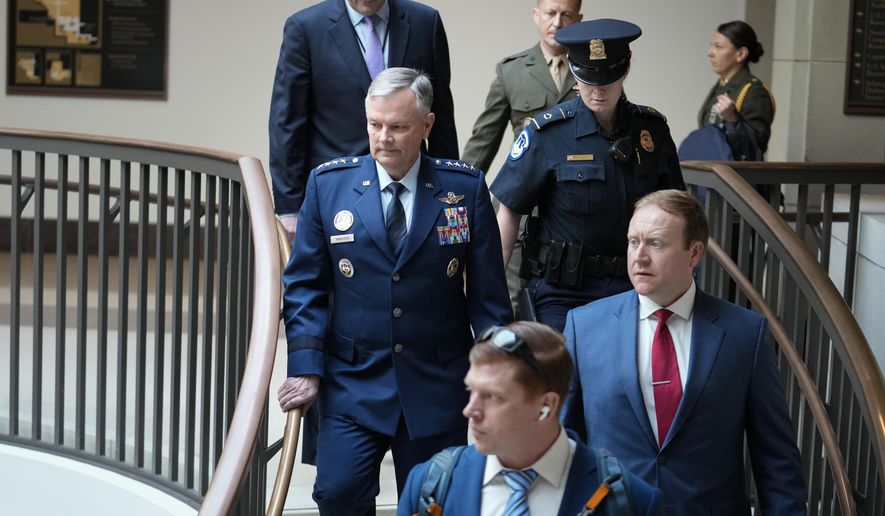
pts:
[345, 267]
[343, 220]
[452, 269]
[645, 140]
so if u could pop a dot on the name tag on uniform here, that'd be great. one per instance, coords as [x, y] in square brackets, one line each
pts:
[340, 239]
[579, 157]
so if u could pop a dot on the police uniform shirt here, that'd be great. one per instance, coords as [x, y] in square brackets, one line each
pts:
[679, 325]
[561, 163]
[359, 25]
[546, 491]
[406, 197]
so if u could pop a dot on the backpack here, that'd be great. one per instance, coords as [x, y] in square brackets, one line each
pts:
[615, 488]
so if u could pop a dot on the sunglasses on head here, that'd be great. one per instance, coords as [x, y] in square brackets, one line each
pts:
[508, 341]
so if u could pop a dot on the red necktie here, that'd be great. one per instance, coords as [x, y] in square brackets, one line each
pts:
[664, 375]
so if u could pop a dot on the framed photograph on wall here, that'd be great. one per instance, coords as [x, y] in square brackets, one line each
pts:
[865, 66]
[101, 48]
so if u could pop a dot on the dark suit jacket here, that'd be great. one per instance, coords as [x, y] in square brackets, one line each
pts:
[521, 90]
[317, 110]
[464, 496]
[733, 390]
[395, 340]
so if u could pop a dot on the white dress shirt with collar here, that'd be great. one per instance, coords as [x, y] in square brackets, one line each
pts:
[545, 492]
[407, 196]
[679, 325]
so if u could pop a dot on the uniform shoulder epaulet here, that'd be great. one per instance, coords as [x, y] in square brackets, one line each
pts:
[455, 164]
[648, 111]
[742, 94]
[554, 114]
[514, 56]
[337, 164]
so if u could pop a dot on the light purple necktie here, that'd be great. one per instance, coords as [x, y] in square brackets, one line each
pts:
[374, 54]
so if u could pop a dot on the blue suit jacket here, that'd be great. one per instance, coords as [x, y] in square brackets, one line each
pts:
[317, 110]
[395, 340]
[733, 389]
[464, 496]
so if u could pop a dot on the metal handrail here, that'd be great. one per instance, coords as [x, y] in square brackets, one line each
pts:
[797, 366]
[252, 399]
[293, 418]
[823, 297]
[247, 218]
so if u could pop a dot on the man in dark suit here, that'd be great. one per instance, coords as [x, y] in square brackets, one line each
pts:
[330, 53]
[526, 84]
[673, 381]
[389, 236]
[523, 461]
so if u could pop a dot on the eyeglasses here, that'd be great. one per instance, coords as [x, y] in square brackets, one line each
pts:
[508, 341]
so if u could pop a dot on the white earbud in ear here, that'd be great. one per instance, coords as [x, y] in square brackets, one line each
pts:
[545, 411]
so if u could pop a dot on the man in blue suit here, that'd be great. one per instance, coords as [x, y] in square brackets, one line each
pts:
[330, 53]
[523, 461]
[389, 237]
[673, 381]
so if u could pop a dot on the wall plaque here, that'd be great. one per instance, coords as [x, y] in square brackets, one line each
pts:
[103, 48]
[865, 74]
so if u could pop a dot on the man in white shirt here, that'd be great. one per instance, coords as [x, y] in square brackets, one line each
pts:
[523, 461]
[674, 381]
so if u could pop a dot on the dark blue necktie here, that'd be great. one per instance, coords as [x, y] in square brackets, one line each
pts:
[396, 218]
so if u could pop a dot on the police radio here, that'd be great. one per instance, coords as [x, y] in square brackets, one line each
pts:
[621, 150]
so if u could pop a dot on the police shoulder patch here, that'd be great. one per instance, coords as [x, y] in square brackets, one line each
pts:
[648, 111]
[337, 164]
[520, 145]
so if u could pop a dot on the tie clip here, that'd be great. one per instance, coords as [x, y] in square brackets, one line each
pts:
[662, 382]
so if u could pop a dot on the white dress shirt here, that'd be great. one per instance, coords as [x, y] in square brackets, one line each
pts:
[679, 325]
[547, 490]
[358, 22]
[407, 196]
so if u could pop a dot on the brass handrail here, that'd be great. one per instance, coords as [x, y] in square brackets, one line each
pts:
[293, 418]
[237, 174]
[822, 295]
[806, 383]
[252, 399]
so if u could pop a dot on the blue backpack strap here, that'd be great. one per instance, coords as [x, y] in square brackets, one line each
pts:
[614, 491]
[436, 481]
[615, 477]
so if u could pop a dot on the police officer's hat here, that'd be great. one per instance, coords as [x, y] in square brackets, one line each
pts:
[598, 50]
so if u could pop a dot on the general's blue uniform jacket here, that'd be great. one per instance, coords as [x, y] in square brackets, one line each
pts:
[733, 391]
[390, 337]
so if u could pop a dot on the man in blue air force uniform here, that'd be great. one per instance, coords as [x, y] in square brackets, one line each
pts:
[390, 235]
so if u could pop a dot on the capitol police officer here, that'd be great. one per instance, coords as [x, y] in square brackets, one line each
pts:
[584, 163]
[389, 236]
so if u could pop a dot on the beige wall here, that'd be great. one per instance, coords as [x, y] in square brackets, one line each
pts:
[223, 54]
[808, 81]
